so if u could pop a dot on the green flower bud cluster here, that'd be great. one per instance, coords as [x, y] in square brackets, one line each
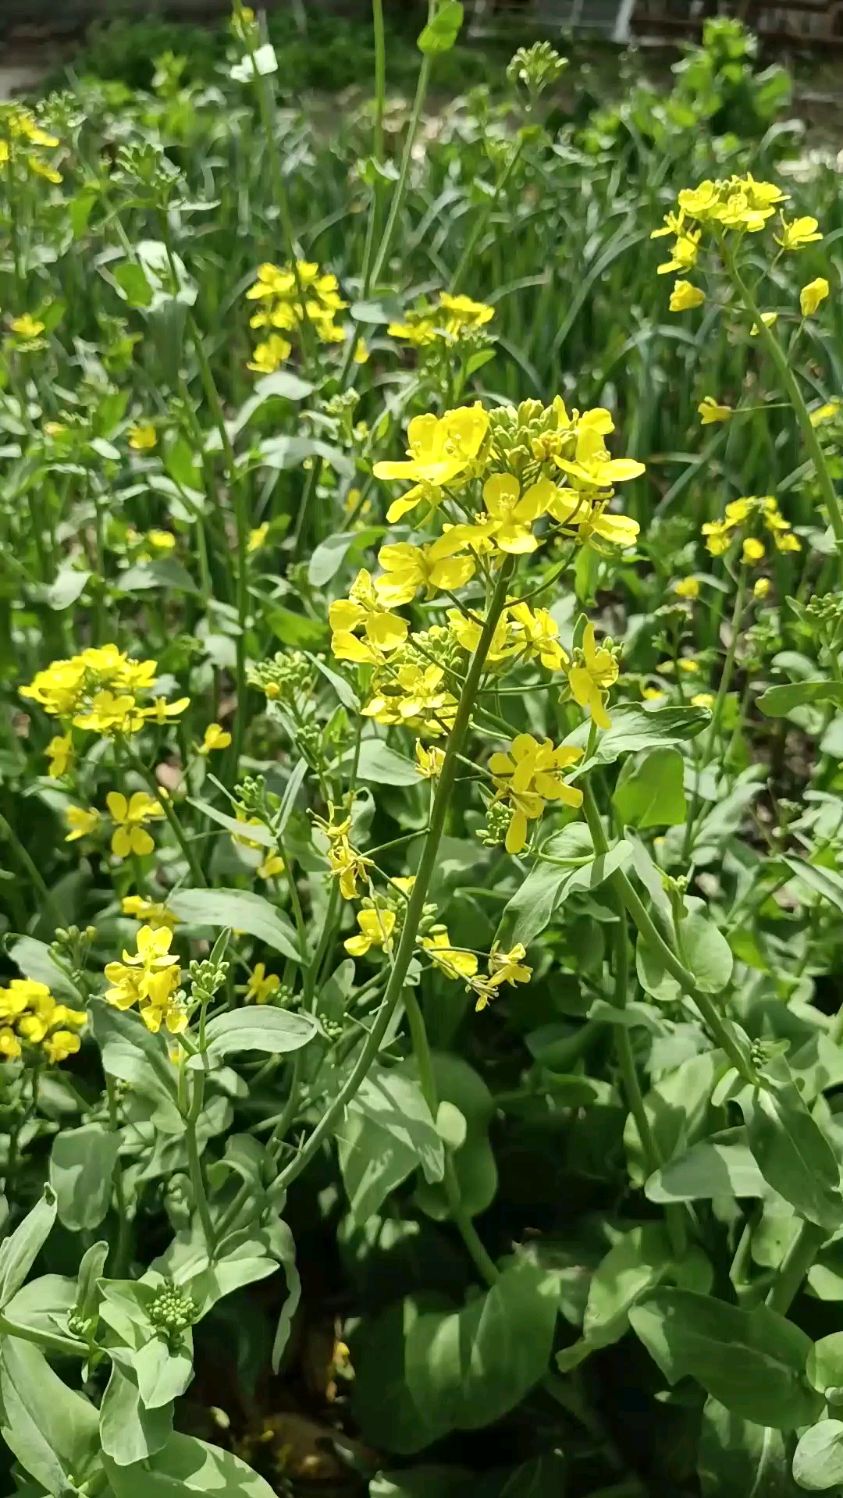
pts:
[171, 1312]
[535, 68]
[206, 979]
[255, 800]
[284, 676]
[498, 818]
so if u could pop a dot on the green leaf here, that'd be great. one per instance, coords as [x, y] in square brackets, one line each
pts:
[474, 1162]
[707, 953]
[260, 834]
[738, 1457]
[68, 586]
[384, 766]
[535, 904]
[332, 552]
[777, 702]
[49, 1428]
[792, 1153]
[386, 1133]
[818, 1459]
[651, 793]
[467, 1368]
[825, 1366]
[441, 32]
[635, 728]
[653, 975]
[44, 1304]
[166, 572]
[290, 452]
[187, 1465]
[134, 1055]
[753, 1362]
[128, 1432]
[239, 910]
[158, 266]
[36, 961]
[19, 1251]
[162, 1375]
[382, 310]
[720, 1166]
[132, 284]
[383, 1402]
[826, 883]
[81, 1174]
[282, 385]
[255, 1028]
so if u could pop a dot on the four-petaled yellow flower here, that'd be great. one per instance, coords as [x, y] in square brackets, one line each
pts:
[429, 762]
[408, 568]
[685, 297]
[130, 834]
[503, 967]
[26, 327]
[150, 978]
[257, 537]
[527, 776]
[440, 450]
[376, 928]
[593, 467]
[535, 635]
[591, 676]
[143, 437]
[364, 609]
[60, 755]
[798, 233]
[687, 587]
[261, 985]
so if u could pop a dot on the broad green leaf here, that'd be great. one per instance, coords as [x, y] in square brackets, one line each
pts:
[330, 554]
[825, 1366]
[158, 267]
[651, 793]
[36, 961]
[165, 572]
[818, 1459]
[532, 907]
[68, 586]
[384, 766]
[43, 1304]
[19, 1251]
[81, 1174]
[187, 1465]
[260, 834]
[383, 310]
[707, 953]
[474, 1162]
[737, 1457]
[258, 1027]
[134, 1055]
[239, 910]
[753, 1362]
[382, 1400]
[720, 1166]
[385, 1134]
[653, 975]
[793, 1154]
[635, 728]
[777, 702]
[442, 30]
[162, 1375]
[128, 1432]
[132, 284]
[49, 1428]
[678, 1108]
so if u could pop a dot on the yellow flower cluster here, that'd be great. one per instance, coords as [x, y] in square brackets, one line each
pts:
[292, 297]
[761, 517]
[449, 320]
[527, 776]
[150, 978]
[22, 139]
[29, 1014]
[102, 691]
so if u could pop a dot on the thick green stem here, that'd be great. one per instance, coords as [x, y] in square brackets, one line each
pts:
[795, 1266]
[194, 1163]
[419, 892]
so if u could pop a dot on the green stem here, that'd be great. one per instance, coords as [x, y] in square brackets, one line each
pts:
[169, 812]
[404, 172]
[31, 868]
[120, 1262]
[791, 385]
[47, 1341]
[483, 217]
[418, 895]
[793, 1269]
[194, 1163]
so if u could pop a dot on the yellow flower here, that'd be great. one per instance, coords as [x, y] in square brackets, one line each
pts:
[504, 967]
[703, 699]
[80, 822]
[130, 835]
[361, 352]
[376, 928]
[27, 327]
[687, 664]
[535, 633]
[414, 696]
[61, 1044]
[752, 551]
[257, 537]
[511, 514]
[215, 737]
[261, 985]
[738, 203]
[687, 587]
[653, 694]
[60, 755]
[272, 865]
[824, 413]
[143, 437]
[593, 468]
[270, 354]
[454, 316]
[149, 978]
[768, 319]
[527, 776]
[798, 233]
[145, 910]
[429, 762]
[364, 609]
[454, 962]
[762, 512]
[711, 411]
[685, 297]
[161, 710]
[591, 677]
[761, 588]
[160, 540]
[811, 295]
[439, 451]
[10, 1046]
[33, 1015]
[684, 253]
[409, 568]
[461, 312]
[346, 863]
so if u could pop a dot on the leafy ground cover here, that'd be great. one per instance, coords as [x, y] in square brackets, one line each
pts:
[421, 900]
